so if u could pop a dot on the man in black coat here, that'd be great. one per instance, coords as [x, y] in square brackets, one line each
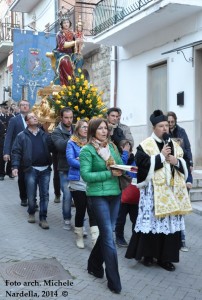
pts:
[117, 134]
[15, 126]
[60, 136]
[2, 162]
[178, 132]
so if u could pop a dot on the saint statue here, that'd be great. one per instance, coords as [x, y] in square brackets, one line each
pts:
[64, 60]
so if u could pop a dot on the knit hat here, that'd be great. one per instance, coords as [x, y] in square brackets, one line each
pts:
[158, 117]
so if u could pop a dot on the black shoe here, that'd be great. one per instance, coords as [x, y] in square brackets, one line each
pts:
[24, 203]
[148, 261]
[166, 265]
[1, 178]
[121, 242]
[114, 290]
[98, 272]
[36, 206]
[11, 176]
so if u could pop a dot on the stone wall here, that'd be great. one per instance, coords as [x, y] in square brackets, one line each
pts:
[97, 63]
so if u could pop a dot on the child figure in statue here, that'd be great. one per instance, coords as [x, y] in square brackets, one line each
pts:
[79, 38]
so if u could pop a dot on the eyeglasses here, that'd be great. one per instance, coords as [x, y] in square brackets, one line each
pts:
[32, 117]
[26, 104]
[84, 127]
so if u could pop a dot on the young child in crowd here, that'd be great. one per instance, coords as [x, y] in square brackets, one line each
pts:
[130, 196]
[189, 186]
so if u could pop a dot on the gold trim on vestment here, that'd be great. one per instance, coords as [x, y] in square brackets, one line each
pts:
[170, 193]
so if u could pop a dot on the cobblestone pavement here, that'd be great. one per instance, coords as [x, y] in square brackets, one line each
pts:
[21, 241]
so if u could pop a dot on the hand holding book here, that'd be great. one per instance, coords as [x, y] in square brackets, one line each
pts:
[126, 168]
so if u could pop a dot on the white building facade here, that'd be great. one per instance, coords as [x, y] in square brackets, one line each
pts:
[146, 78]
[139, 78]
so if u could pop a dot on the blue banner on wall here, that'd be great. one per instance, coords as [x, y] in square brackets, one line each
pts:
[31, 68]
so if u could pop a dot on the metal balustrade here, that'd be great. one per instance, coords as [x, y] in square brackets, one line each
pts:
[110, 12]
[6, 32]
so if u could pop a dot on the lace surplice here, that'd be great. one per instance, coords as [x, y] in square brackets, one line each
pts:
[146, 220]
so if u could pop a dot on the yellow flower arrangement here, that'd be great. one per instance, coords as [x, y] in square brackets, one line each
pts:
[84, 99]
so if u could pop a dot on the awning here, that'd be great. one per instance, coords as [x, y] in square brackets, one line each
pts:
[183, 47]
[10, 62]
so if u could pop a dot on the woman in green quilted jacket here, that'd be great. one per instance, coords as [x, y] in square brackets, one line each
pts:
[104, 196]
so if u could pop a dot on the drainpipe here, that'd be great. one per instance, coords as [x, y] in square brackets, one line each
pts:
[115, 75]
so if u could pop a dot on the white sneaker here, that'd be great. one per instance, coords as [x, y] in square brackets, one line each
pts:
[57, 199]
[184, 249]
[67, 225]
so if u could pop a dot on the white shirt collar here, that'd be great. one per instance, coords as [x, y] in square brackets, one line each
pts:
[156, 138]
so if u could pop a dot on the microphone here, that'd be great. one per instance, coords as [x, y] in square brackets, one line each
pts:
[166, 138]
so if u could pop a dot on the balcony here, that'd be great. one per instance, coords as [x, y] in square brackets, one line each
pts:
[24, 5]
[6, 39]
[121, 22]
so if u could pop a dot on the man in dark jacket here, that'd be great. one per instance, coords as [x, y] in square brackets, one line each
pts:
[31, 151]
[116, 134]
[15, 126]
[60, 136]
[178, 132]
[5, 118]
[125, 128]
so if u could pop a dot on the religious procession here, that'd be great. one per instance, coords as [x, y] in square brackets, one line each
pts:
[107, 137]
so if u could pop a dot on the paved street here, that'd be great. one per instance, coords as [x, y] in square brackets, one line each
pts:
[21, 241]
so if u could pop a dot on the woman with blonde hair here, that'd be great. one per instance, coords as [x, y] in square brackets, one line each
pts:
[77, 185]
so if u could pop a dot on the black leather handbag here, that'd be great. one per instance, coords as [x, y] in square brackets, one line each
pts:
[124, 181]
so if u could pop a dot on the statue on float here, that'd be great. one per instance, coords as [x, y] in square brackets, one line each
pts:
[66, 59]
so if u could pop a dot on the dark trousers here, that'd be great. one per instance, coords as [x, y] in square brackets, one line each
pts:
[125, 208]
[56, 177]
[81, 204]
[8, 170]
[2, 162]
[21, 184]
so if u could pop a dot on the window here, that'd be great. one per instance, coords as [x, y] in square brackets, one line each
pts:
[157, 89]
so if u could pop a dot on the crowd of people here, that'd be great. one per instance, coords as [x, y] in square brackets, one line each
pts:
[82, 156]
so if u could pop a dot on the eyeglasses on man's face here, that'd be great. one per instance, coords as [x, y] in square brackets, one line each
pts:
[31, 117]
[26, 104]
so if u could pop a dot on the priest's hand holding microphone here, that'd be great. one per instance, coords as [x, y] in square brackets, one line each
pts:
[166, 151]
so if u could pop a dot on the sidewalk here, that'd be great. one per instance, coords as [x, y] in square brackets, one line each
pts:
[22, 242]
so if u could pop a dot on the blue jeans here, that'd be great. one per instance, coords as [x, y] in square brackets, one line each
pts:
[33, 178]
[106, 210]
[67, 197]
[124, 210]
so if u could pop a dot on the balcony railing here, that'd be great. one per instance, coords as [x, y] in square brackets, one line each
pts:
[110, 12]
[6, 31]
[84, 11]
